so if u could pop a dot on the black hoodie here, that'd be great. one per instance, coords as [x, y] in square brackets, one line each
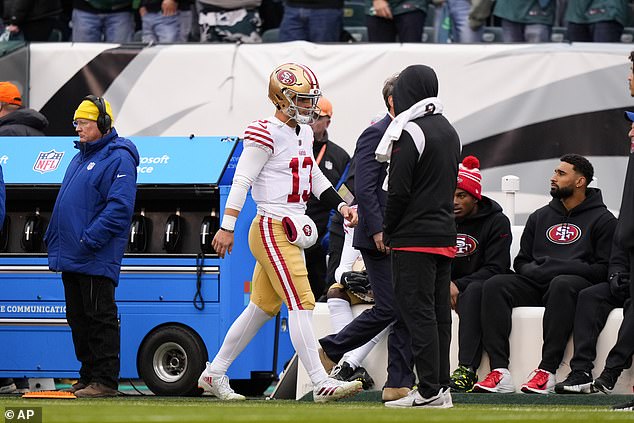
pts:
[423, 169]
[484, 245]
[625, 231]
[557, 242]
[23, 123]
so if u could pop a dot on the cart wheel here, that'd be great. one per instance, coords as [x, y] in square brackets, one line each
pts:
[170, 361]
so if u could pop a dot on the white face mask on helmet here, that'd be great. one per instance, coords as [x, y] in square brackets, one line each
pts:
[294, 90]
[302, 114]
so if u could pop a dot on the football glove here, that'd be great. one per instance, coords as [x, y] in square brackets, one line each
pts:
[356, 282]
[620, 285]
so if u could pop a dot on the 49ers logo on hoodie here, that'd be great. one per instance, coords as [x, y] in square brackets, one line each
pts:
[563, 233]
[465, 245]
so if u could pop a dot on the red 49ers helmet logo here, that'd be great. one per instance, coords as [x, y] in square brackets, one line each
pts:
[563, 233]
[465, 245]
[286, 77]
[308, 231]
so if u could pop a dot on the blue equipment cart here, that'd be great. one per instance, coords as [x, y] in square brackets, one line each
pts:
[176, 298]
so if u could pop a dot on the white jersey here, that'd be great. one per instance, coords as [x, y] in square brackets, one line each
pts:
[286, 181]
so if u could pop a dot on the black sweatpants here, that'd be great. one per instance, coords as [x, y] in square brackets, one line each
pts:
[469, 326]
[315, 257]
[502, 293]
[620, 356]
[91, 312]
[372, 321]
[593, 307]
[421, 289]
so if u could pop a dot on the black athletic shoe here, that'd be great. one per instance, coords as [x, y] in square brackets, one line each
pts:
[363, 376]
[606, 381]
[577, 382]
[342, 372]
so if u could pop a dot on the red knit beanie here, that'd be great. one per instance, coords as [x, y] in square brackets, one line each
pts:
[469, 176]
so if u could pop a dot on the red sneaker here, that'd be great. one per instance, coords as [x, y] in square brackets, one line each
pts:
[540, 382]
[498, 381]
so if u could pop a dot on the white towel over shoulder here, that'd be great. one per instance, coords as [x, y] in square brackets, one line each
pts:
[427, 106]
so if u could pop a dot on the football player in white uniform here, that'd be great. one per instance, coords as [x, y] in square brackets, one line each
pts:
[278, 165]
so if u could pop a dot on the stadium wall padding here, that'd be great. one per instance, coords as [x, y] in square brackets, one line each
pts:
[517, 106]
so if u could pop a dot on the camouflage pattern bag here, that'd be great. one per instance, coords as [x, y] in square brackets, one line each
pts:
[241, 25]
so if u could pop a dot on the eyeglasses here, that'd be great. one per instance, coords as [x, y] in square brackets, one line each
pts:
[81, 123]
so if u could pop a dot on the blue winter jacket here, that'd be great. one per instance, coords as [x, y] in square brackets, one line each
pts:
[89, 227]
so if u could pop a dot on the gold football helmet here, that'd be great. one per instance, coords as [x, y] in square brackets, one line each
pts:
[294, 89]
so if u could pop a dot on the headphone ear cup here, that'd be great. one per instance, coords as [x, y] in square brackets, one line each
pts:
[107, 122]
[103, 119]
[100, 124]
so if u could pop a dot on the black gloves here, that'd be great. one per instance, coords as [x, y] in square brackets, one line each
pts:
[356, 281]
[620, 285]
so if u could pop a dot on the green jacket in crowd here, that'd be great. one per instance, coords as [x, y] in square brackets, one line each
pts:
[526, 11]
[592, 11]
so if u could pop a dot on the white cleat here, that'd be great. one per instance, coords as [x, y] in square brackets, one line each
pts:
[333, 390]
[218, 386]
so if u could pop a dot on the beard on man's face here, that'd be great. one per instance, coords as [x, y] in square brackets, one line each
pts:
[561, 193]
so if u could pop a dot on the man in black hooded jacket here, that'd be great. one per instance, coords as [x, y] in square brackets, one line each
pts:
[419, 227]
[565, 247]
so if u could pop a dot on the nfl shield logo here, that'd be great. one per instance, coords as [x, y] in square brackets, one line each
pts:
[48, 161]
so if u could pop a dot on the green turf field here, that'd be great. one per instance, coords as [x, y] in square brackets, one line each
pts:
[184, 410]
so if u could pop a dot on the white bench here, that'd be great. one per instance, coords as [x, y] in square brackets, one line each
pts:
[525, 344]
[525, 348]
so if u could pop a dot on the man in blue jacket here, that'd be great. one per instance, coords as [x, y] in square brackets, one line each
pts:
[86, 239]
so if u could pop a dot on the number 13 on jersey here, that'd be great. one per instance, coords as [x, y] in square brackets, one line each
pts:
[302, 179]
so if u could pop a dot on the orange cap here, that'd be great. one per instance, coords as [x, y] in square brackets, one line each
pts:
[10, 94]
[325, 106]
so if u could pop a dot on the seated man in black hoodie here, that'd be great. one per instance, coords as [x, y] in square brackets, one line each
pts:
[483, 250]
[565, 247]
